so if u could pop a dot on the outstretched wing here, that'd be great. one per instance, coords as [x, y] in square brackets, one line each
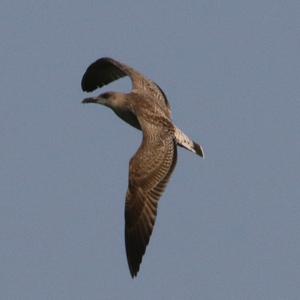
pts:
[149, 171]
[106, 70]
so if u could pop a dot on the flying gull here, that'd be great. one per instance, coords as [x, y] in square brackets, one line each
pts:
[146, 108]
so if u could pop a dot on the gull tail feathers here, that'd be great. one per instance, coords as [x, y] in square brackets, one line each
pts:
[184, 141]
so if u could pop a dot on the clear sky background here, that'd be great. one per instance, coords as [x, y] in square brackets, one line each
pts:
[228, 226]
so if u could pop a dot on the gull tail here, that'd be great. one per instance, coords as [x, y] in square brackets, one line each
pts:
[184, 141]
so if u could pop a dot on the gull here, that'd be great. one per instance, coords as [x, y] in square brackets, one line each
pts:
[146, 108]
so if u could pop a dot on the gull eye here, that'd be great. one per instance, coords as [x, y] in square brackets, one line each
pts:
[105, 95]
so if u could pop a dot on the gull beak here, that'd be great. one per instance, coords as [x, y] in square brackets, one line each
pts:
[89, 100]
[98, 100]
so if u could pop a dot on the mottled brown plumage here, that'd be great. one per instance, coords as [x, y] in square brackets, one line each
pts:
[146, 108]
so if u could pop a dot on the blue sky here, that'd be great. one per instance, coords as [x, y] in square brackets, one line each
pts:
[228, 226]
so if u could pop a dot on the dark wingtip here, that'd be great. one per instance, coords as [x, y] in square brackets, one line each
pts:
[87, 83]
[134, 265]
[101, 72]
[89, 80]
[133, 268]
[198, 149]
[133, 274]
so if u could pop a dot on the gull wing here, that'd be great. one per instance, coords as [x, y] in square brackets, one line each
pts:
[149, 171]
[106, 70]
